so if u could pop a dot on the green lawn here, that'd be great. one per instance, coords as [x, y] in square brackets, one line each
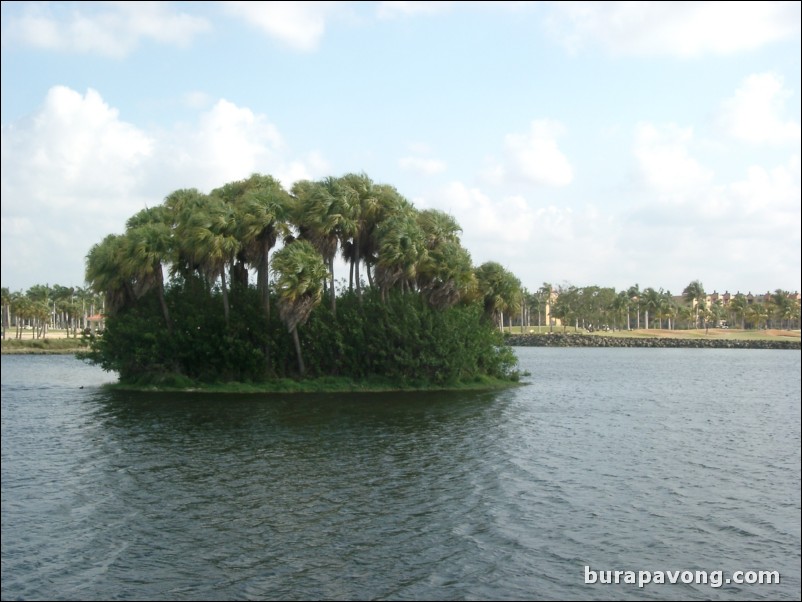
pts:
[45, 345]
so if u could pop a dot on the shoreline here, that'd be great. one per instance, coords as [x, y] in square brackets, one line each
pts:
[587, 340]
[554, 339]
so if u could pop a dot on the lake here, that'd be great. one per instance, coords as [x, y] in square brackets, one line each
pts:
[650, 460]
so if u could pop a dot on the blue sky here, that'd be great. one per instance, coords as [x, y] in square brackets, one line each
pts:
[597, 143]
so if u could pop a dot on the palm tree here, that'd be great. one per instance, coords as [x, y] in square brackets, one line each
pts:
[149, 238]
[360, 201]
[738, 306]
[401, 252]
[783, 309]
[105, 272]
[323, 217]
[299, 271]
[668, 309]
[499, 290]
[210, 241]
[620, 307]
[22, 308]
[262, 211]
[447, 275]
[634, 298]
[650, 301]
[389, 205]
[694, 295]
[185, 206]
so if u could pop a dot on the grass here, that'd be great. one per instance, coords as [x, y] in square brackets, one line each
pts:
[325, 384]
[42, 346]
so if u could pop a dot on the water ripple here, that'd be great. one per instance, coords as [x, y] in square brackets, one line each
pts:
[614, 459]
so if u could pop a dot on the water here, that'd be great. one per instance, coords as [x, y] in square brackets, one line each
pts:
[615, 459]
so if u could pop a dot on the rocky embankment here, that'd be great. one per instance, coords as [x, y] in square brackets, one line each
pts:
[582, 340]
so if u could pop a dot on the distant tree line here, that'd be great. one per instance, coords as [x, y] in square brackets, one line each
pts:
[44, 307]
[603, 308]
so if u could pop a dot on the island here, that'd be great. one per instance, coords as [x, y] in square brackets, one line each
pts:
[237, 287]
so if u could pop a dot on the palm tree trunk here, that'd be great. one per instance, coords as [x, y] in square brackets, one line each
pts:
[262, 278]
[225, 295]
[333, 294]
[351, 276]
[356, 272]
[162, 301]
[297, 342]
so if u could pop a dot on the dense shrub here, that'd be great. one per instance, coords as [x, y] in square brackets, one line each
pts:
[403, 340]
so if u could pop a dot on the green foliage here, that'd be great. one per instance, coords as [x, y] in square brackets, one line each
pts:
[201, 347]
[406, 341]
[412, 323]
[402, 341]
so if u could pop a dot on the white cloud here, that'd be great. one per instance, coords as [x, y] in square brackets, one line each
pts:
[533, 157]
[228, 143]
[683, 29]
[422, 165]
[485, 219]
[771, 195]
[74, 152]
[300, 25]
[665, 163]
[536, 241]
[311, 167]
[751, 230]
[70, 174]
[536, 155]
[756, 112]
[74, 171]
[114, 30]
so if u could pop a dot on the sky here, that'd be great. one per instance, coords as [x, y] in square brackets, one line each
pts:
[580, 143]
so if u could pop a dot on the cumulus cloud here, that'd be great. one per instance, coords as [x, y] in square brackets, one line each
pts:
[74, 152]
[535, 240]
[664, 162]
[422, 165]
[771, 194]
[507, 219]
[756, 112]
[533, 157]
[228, 142]
[74, 171]
[747, 222]
[70, 174]
[299, 25]
[683, 29]
[111, 29]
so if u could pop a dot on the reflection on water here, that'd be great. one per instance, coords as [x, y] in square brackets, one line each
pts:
[617, 459]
